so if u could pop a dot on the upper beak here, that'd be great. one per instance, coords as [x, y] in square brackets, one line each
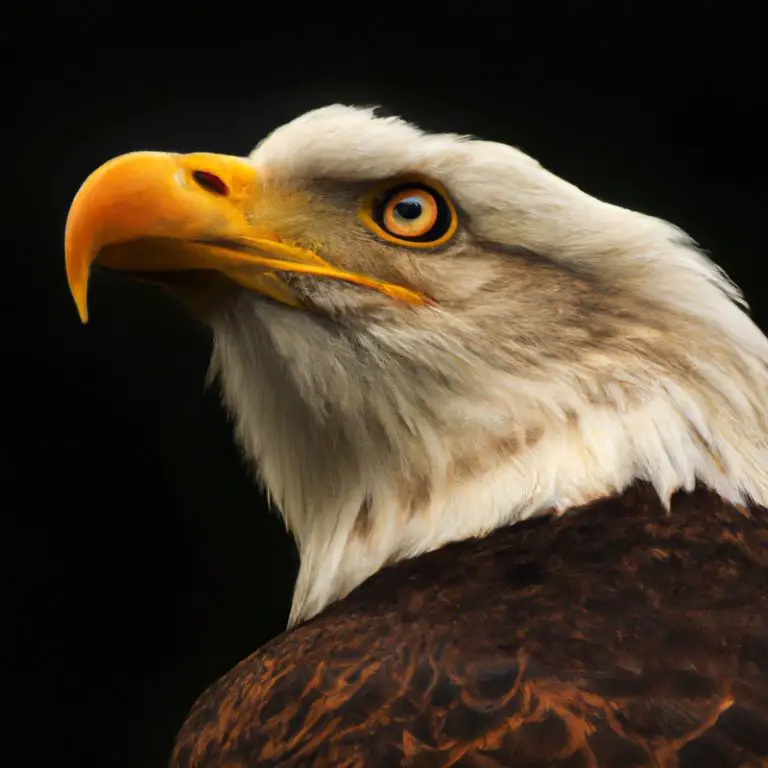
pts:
[158, 212]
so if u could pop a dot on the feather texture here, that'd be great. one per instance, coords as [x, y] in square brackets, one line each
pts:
[574, 347]
[618, 635]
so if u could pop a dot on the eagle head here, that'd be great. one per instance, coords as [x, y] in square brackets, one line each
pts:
[424, 337]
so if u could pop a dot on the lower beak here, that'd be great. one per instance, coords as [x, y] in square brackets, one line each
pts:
[151, 212]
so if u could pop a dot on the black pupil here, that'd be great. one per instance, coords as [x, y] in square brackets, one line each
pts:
[408, 209]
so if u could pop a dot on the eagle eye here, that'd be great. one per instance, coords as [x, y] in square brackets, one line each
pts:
[411, 213]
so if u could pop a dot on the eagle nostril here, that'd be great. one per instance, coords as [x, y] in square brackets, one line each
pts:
[210, 182]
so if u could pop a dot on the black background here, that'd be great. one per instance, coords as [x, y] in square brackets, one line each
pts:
[143, 562]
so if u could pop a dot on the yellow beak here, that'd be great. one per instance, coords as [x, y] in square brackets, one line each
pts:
[157, 212]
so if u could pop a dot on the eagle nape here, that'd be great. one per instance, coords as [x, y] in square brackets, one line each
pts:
[520, 436]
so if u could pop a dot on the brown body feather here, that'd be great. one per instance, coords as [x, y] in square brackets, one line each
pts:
[617, 635]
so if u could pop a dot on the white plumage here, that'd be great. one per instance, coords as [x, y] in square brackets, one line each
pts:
[574, 347]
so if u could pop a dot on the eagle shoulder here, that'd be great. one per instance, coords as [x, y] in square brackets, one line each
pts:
[617, 635]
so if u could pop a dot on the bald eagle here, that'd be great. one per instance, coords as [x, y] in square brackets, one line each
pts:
[519, 434]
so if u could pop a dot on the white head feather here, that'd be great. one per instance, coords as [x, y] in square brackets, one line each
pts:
[575, 347]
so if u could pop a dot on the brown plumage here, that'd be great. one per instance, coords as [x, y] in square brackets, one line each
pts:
[616, 635]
